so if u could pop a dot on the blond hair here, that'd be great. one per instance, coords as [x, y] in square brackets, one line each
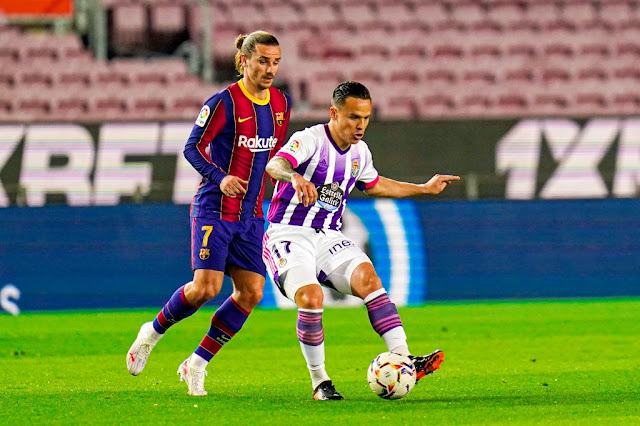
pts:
[246, 45]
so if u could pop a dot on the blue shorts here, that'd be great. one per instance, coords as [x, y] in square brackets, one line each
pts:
[216, 243]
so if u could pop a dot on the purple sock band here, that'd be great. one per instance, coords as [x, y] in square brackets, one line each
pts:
[383, 314]
[309, 328]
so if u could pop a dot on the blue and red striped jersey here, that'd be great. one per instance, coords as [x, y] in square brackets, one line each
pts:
[236, 134]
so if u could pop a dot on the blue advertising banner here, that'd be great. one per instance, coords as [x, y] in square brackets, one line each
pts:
[136, 255]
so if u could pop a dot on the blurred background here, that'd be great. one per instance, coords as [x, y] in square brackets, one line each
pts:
[535, 103]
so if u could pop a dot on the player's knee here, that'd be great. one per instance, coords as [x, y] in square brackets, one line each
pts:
[310, 297]
[368, 285]
[203, 291]
[248, 298]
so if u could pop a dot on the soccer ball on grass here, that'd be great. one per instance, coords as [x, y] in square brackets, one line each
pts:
[391, 375]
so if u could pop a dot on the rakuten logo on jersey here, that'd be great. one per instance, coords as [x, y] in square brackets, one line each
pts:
[257, 144]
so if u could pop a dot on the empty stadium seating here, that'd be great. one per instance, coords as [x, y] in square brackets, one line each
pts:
[420, 58]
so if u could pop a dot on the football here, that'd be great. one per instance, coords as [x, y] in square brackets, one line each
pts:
[391, 375]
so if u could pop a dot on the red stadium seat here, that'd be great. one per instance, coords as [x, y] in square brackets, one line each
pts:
[627, 103]
[129, 27]
[580, 12]
[71, 108]
[397, 108]
[436, 105]
[474, 105]
[589, 103]
[549, 104]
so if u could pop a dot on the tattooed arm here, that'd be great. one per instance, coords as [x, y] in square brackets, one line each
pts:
[281, 169]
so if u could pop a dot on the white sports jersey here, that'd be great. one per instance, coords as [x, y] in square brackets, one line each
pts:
[333, 171]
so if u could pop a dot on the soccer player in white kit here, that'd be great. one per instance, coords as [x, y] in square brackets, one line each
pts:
[304, 248]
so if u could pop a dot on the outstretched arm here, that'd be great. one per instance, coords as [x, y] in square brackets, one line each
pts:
[281, 169]
[386, 187]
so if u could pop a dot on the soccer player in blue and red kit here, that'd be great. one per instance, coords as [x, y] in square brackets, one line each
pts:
[236, 133]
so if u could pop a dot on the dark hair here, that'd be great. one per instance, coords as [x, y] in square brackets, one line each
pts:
[349, 89]
[246, 44]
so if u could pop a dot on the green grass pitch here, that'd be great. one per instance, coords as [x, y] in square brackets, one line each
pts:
[539, 362]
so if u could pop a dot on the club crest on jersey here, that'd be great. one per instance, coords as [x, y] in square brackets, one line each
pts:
[202, 117]
[204, 253]
[279, 118]
[355, 166]
[282, 262]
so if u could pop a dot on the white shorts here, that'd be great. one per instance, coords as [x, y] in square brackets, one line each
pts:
[297, 256]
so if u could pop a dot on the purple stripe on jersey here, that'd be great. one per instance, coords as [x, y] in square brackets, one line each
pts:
[278, 207]
[283, 198]
[319, 175]
[338, 176]
[299, 214]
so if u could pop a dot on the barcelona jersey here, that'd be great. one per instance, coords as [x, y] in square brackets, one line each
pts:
[236, 134]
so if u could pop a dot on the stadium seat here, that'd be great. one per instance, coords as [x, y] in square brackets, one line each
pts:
[616, 12]
[35, 78]
[595, 51]
[8, 95]
[9, 54]
[151, 107]
[72, 80]
[109, 106]
[474, 105]
[579, 12]
[552, 76]
[7, 79]
[369, 77]
[289, 15]
[468, 12]
[478, 77]
[549, 104]
[321, 87]
[167, 19]
[509, 103]
[627, 103]
[434, 14]
[518, 76]
[129, 28]
[589, 103]
[542, 12]
[397, 108]
[70, 108]
[627, 75]
[321, 11]
[410, 51]
[109, 77]
[399, 14]
[506, 11]
[34, 105]
[436, 106]
[440, 77]
[356, 12]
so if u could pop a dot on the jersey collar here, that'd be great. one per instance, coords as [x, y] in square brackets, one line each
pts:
[335, 145]
[253, 98]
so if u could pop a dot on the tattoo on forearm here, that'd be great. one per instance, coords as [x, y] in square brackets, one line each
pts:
[281, 169]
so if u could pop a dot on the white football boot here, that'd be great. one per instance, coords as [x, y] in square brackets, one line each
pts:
[140, 350]
[194, 378]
